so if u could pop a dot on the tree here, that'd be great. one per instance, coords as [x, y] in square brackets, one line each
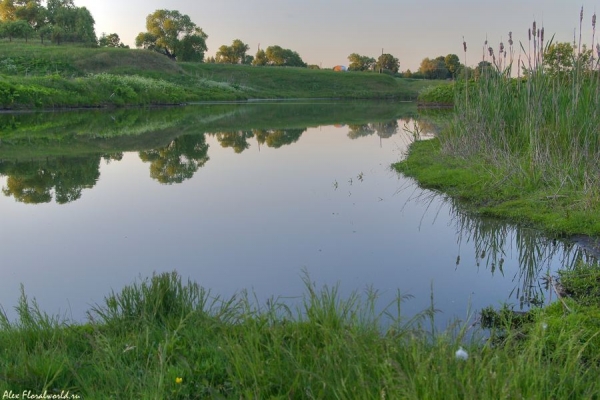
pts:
[452, 63]
[112, 40]
[561, 58]
[174, 35]
[388, 62]
[278, 56]
[434, 68]
[360, 63]
[260, 58]
[31, 11]
[484, 68]
[16, 29]
[234, 54]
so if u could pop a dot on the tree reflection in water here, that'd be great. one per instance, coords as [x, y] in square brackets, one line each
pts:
[177, 161]
[61, 178]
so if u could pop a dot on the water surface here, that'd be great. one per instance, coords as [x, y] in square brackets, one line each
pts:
[247, 196]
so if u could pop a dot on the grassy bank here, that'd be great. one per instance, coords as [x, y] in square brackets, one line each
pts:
[524, 148]
[33, 75]
[489, 191]
[164, 338]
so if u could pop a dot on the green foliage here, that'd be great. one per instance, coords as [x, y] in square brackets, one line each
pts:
[112, 40]
[173, 34]
[278, 56]
[360, 63]
[234, 54]
[438, 95]
[387, 62]
[165, 338]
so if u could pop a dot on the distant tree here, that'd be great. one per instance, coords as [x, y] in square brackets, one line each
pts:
[248, 59]
[239, 49]
[360, 63]
[174, 35]
[112, 40]
[388, 62]
[31, 11]
[484, 68]
[16, 29]
[313, 66]
[434, 68]
[260, 58]
[452, 63]
[407, 74]
[561, 58]
[62, 21]
[234, 54]
[278, 56]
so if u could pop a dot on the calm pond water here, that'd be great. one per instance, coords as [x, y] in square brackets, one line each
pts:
[246, 196]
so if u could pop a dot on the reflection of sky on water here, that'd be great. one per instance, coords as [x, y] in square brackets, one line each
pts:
[325, 204]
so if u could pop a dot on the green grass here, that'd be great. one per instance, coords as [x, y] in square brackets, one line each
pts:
[484, 190]
[524, 148]
[163, 337]
[33, 75]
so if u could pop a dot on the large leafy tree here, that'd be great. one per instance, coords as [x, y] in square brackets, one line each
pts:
[234, 54]
[260, 58]
[360, 63]
[173, 34]
[66, 22]
[276, 55]
[31, 11]
[452, 63]
[388, 62]
[434, 68]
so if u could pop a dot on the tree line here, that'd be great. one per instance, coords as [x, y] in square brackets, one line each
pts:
[59, 21]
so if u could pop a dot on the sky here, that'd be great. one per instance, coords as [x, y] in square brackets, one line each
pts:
[325, 32]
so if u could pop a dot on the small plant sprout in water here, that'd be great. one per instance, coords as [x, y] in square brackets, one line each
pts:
[360, 176]
[461, 354]
[414, 132]
[335, 184]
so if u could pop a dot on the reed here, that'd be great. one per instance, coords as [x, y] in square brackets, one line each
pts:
[539, 129]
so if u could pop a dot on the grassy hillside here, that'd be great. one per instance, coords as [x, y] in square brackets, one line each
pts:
[33, 75]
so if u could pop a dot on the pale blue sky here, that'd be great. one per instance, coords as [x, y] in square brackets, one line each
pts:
[325, 32]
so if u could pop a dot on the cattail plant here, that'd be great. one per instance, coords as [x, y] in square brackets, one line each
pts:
[538, 132]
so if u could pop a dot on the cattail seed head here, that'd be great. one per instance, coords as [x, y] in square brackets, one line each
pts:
[501, 47]
[542, 34]
[581, 15]
[594, 21]
[491, 51]
[598, 49]
[510, 41]
[534, 28]
[530, 34]
[464, 44]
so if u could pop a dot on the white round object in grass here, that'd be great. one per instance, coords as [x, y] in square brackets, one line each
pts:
[461, 354]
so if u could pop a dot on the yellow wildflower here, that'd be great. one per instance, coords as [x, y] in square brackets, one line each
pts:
[178, 380]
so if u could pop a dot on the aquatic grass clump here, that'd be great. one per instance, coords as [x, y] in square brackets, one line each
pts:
[537, 130]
